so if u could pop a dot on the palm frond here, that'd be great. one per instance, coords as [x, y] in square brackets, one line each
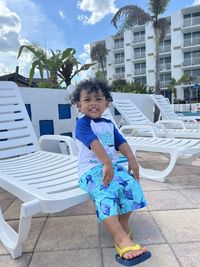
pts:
[163, 26]
[129, 16]
[158, 7]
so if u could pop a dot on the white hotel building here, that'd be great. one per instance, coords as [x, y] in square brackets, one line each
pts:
[131, 56]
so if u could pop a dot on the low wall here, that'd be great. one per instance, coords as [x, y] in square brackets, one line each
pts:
[51, 113]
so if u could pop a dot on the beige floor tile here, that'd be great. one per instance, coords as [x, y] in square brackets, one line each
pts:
[75, 232]
[162, 256]
[193, 169]
[85, 208]
[5, 195]
[13, 211]
[143, 228]
[188, 254]
[179, 226]
[70, 258]
[192, 194]
[29, 244]
[166, 200]
[184, 181]
[5, 203]
[7, 261]
[149, 185]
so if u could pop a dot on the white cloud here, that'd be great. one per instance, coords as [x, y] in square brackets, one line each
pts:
[196, 2]
[10, 26]
[85, 59]
[22, 22]
[85, 56]
[62, 14]
[98, 9]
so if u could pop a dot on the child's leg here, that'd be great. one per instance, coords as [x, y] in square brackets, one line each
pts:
[123, 219]
[121, 238]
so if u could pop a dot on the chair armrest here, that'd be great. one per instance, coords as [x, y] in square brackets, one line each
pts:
[176, 122]
[144, 127]
[188, 119]
[68, 140]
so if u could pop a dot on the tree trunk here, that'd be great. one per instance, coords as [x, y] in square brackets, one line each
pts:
[157, 72]
[102, 67]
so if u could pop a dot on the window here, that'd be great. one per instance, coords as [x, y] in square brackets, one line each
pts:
[139, 36]
[119, 58]
[140, 68]
[119, 43]
[120, 73]
[139, 52]
[165, 63]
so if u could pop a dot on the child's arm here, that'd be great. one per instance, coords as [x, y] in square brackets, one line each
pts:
[101, 154]
[132, 162]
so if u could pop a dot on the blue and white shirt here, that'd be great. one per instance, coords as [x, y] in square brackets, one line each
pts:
[88, 130]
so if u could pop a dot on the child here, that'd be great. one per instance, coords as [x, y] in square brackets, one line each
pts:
[115, 192]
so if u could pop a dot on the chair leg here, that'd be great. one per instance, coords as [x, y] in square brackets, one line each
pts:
[156, 175]
[9, 237]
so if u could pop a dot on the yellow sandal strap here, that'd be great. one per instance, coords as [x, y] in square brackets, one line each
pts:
[126, 249]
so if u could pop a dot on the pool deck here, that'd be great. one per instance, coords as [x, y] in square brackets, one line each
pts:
[170, 227]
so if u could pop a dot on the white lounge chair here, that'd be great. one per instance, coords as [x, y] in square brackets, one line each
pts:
[185, 150]
[132, 115]
[45, 182]
[170, 118]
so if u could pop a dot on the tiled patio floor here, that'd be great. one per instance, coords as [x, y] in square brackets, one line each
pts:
[170, 227]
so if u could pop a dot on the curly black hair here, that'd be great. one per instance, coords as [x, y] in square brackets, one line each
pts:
[91, 85]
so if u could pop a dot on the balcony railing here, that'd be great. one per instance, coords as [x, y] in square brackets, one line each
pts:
[164, 84]
[165, 49]
[141, 71]
[139, 39]
[191, 61]
[139, 55]
[191, 42]
[119, 61]
[119, 46]
[166, 66]
[191, 22]
[119, 75]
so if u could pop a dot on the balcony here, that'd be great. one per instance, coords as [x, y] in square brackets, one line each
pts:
[191, 22]
[191, 61]
[139, 55]
[119, 61]
[118, 76]
[141, 71]
[165, 49]
[139, 39]
[165, 67]
[191, 42]
[119, 46]
[164, 84]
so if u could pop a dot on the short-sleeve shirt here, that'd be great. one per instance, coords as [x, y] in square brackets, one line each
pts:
[103, 130]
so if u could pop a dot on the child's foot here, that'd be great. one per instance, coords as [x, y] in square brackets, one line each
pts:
[135, 249]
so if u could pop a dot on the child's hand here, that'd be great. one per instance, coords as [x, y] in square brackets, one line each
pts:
[108, 173]
[134, 168]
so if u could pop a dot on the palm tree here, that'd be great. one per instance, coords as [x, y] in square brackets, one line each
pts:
[186, 78]
[172, 88]
[98, 53]
[133, 15]
[59, 64]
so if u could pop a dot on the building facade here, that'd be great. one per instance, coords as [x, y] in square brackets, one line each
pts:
[131, 56]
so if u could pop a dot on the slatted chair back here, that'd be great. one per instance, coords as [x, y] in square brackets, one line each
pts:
[165, 108]
[17, 136]
[130, 112]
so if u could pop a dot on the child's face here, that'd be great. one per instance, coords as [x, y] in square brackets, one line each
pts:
[92, 104]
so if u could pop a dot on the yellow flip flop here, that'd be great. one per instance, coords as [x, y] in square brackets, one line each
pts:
[119, 257]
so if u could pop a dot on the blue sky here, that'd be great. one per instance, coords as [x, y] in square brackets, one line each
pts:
[58, 25]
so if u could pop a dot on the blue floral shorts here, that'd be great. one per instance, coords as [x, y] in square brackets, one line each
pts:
[124, 194]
